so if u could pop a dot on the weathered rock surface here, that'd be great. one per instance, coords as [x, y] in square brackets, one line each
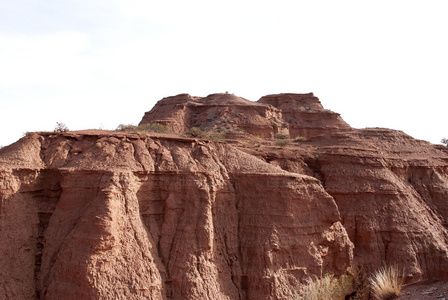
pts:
[120, 215]
[102, 216]
[217, 111]
[305, 115]
[293, 114]
[391, 191]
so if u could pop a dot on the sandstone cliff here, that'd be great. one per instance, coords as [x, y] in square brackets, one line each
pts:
[136, 215]
[293, 114]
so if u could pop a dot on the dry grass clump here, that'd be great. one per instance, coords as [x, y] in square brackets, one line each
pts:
[328, 287]
[386, 283]
[351, 285]
[300, 139]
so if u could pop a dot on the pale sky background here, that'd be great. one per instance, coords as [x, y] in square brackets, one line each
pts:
[100, 63]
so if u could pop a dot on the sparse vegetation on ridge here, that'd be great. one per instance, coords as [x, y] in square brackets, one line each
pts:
[151, 127]
[444, 141]
[60, 127]
[213, 135]
[126, 127]
[196, 132]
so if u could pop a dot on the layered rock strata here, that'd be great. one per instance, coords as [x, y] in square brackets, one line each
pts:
[101, 216]
[391, 191]
[121, 215]
[305, 115]
[292, 114]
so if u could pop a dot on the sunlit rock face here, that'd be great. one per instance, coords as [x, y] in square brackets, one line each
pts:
[136, 215]
[293, 114]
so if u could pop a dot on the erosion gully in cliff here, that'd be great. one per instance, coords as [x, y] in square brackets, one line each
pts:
[135, 215]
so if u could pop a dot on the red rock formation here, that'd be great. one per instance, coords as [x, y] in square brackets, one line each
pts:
[391, 192]
[102, 215]
[222, 112]
[305, 114]
[293, 114]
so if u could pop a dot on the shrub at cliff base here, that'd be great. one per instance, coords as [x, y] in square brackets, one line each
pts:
[352, 284]
[327, 288]
[386, 283]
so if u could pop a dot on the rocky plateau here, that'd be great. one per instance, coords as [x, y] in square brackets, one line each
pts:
[100, 214]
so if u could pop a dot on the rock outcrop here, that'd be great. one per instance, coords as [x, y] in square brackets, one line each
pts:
[391, 191]
[292, 114]
[101, 216]
[305, 115]
[136, 215]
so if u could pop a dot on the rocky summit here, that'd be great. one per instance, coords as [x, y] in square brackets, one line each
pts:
[233, 199]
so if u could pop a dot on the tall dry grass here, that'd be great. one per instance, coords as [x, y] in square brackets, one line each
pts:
[386, 283]
[328, 287]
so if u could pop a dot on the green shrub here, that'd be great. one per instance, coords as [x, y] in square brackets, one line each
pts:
[199, 133]
[153, 127]
[215, 136]
[387, 282]
[281, 136]
[196, 132]
[149, 127]
[126, 127]
[282, 143]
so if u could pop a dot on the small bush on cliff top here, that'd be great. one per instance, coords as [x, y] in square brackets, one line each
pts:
[386, 283]
[196, 132]
[212, 135]
[444, 141]
[60, 127]
[126, 127]
[152, 127]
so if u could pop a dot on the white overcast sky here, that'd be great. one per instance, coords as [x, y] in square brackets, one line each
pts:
[99, 63]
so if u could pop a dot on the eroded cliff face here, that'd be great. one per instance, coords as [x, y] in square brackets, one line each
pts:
[292, 114]
[102, 216]
[135, 215]
[391, 191]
